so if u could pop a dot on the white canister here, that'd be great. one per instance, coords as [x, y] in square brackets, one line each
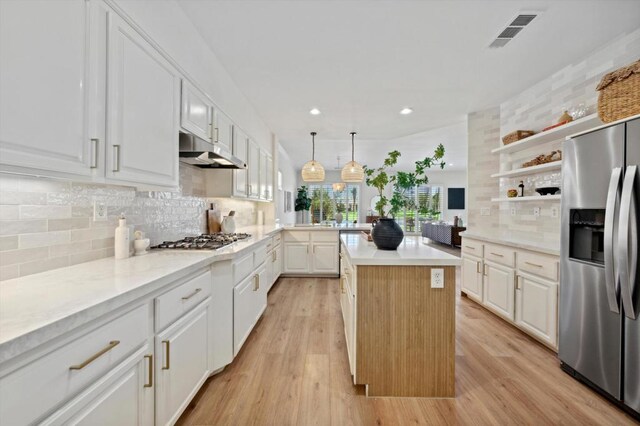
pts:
[122, 244]
[229, 225]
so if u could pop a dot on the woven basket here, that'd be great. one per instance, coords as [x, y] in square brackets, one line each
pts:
[619, 93]
[516, 136]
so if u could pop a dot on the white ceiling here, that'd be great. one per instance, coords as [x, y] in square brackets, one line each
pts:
[361, 61]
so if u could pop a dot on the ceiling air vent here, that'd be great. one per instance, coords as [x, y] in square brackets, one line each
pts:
[516, 25]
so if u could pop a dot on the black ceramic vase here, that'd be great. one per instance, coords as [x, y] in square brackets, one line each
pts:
[386, 234]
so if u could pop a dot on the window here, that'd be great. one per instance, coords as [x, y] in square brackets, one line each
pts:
[427, 204]
[325, 203]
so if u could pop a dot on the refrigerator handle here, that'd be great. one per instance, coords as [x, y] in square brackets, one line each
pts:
[628, 242]
[611, 278]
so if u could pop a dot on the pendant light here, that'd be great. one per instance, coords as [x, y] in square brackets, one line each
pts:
[352, 171]
[313, 171]
[338, 186]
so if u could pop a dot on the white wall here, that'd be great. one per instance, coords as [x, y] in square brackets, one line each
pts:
[289, 183]
[165, 22]
[449, 179]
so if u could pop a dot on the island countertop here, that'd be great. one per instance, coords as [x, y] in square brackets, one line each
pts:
[411, 252]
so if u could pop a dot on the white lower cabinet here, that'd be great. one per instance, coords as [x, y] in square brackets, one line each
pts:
[296, 258]
[472, 277]
[537, 307]
[499, 290]
[311, 252]
[124, 396]
[324, 258]
[182, 363]
[249, 302]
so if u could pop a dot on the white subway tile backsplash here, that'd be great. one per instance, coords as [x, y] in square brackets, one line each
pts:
[17, 227]
[8, 273]
[71, 223]
[9, 212]
[20, 256]
[43, 239]
[45, 212]
[9, 243]
[29, 268]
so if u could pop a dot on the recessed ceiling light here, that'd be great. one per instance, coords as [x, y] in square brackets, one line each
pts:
[450, 164]
[406, 111]
[314, 111]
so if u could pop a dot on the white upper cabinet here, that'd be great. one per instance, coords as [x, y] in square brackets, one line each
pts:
[45, 101]
[240, 141]
[263, 175]
[223, 130]
[269, 178]
[142, 112]
[253, 170]
[196, 115]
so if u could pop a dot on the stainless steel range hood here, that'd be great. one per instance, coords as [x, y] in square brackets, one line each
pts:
[201, 153]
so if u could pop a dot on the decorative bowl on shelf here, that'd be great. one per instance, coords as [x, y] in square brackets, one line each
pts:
[547, 190]
[512, 193]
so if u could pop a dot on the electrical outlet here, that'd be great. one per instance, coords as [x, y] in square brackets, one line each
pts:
[513, 211]
[99, 211]
[437, 278]
[554, 211]
[485, 211]
[536, 211]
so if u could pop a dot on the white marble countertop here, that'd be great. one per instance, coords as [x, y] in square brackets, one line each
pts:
[332, 227]
[514, 242]
[411, 252]
[40, 307]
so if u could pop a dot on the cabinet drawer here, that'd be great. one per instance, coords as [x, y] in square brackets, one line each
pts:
[242, 267]
[472, 247]
[325, 236]
[500, 254]
[296, 236]
[176, 302]
[538, 264]
[259, 255]
[32, 391]
[277, 239]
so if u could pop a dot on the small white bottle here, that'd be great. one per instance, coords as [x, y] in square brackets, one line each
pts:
[121, 244]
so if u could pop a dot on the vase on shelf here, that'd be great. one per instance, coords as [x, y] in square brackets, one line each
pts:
[338, 217]
[386, 234]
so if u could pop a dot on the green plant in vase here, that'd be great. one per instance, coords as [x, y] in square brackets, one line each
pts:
[387, 234]
[303, 202]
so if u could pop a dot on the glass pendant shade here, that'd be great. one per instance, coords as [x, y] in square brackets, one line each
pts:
[352, 171]
[313, 171]
[338, 187]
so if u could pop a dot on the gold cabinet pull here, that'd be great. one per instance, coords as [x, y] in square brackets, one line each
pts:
[478, 267]
[342, 285]
[94, 153]
[167, 354]
[116, 158]
[256, 282]
[196, 291]
[497, 254]
[112, 344]
[484, 269]
[535, 265]
[517, 282]
[469, 247]
[150, 371]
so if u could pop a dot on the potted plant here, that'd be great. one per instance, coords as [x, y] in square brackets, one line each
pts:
[386, 233]
[340, 209]
[302, 204]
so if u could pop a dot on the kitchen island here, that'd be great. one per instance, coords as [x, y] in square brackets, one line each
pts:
[399, 315]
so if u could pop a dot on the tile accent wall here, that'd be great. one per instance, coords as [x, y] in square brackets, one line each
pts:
[48, 223]
[483, 131]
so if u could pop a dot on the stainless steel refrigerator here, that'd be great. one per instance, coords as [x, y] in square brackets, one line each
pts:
[599, 283]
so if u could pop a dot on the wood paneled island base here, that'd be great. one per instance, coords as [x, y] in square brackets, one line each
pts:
[400, 331]
[405, 332]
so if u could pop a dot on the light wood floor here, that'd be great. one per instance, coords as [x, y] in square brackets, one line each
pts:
[293, 370]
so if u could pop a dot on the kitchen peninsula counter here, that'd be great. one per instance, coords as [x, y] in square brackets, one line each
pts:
[400, 328]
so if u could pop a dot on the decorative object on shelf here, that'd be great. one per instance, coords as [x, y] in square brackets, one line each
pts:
[229, 223]
[512, 193]
[544, 159]
[517, 135]
[455, 221]
[140, 243]
[214, 218]
[313, 171]
[548, 190]
[565, 118]
[619, 95]
[387, 234]
[302, 205]
[521, 186]
[578, 111]
[352, 171]
[122, 246]
[340, 209]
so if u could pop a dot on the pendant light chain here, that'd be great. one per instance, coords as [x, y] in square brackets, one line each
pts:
[313, 171]
[352, 171]
[353, 134]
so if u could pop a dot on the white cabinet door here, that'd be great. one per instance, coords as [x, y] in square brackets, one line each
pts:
[270, 269]
[499, 289]
[263, 175]
[196, 114]
[537, 307]
[142, 111]
[325, 258]
[123, 396]
[269, 196]
[277, 263]
[240, 141]
[296, 258]
[45, 94]
[182, 363]
[253, 169]
[224, 130]
[249, 301]
[472, 277]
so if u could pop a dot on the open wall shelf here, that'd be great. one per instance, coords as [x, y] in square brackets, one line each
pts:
[555, 197]
[556, 165]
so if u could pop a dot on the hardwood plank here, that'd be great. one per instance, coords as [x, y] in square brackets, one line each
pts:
[502, 376]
